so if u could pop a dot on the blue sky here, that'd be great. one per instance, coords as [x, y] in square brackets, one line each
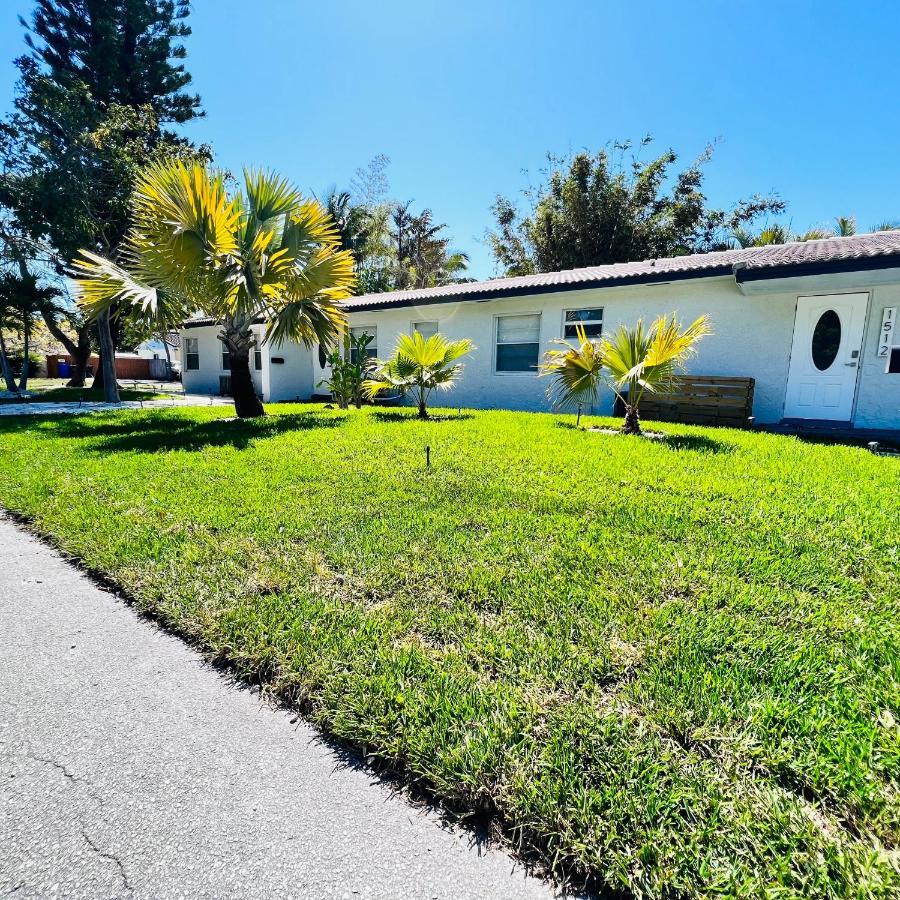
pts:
[462, 97]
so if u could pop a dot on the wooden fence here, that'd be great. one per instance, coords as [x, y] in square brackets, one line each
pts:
[132, 368]
[704, 400]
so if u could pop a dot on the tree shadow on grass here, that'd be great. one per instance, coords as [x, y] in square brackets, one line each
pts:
[697, 442]
[157, 433]
[398, 416]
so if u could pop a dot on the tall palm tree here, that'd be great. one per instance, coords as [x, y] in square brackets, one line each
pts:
[633, 360]
[263, 254]
[419, 366]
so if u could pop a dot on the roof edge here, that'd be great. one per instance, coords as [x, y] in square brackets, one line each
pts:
[533, 290]
[744, 273]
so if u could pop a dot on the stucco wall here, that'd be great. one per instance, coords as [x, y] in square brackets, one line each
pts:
[878, 393]
[752, 336]
[294, 377]
[204, 380]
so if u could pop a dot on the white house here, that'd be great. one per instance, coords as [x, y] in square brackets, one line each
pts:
[166, 348]
[813, 323]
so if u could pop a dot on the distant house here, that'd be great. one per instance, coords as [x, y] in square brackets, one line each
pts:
[812, 323]
[166, 348]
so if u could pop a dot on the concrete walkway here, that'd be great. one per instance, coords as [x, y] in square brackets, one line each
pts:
[130, 769]
[37, 408]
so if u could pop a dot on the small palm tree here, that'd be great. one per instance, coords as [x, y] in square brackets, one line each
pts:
[642, 360]
[633, 361]
[576, 370]
[265, 253]
[419, 366]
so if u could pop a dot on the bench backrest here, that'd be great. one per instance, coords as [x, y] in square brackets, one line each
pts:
[704, 400]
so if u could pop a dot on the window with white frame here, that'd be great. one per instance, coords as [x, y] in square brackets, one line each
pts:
[590, 319]
[518, 343]
[226, 359]
[426, 329]
[191, 353]
[257, 358]
[357, 332]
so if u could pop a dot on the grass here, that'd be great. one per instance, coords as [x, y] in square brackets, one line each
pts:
[670, 667]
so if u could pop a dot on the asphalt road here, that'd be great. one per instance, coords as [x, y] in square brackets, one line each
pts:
[128, 768]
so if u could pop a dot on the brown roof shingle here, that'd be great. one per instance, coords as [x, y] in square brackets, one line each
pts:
[746, 264]
[880, 249]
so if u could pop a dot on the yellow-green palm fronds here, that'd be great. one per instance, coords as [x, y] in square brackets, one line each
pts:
[421, 364]
[267, 252]
[575, 369]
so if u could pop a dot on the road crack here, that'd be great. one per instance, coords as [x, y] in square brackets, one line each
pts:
[111, 857]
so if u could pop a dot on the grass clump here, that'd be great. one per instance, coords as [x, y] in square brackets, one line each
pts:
[668, 666]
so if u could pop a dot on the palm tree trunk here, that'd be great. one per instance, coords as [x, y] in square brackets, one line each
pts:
[107, 360]
[4, 366]
[239, 339]
[423, 410]
[165, 344]
[246, 403]
[632, 420]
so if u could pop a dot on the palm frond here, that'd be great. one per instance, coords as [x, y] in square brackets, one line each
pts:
[269, 196]
[575, 370]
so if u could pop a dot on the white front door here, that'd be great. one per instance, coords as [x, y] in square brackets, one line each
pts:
[825, 357]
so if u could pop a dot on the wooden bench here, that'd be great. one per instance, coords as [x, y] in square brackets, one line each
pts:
[704, 400]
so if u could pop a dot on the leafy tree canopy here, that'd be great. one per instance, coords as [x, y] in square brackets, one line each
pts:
[613, 207]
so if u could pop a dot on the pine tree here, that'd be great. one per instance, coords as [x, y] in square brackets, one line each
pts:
[100, 82]
[121, 51]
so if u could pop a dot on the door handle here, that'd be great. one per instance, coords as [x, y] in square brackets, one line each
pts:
[850, 364]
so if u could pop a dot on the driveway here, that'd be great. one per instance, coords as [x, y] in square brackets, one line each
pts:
[36, 408]
[128, 768]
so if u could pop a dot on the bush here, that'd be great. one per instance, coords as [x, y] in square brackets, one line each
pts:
[35, 362]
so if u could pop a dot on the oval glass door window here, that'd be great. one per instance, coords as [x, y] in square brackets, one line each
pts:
[826, 340]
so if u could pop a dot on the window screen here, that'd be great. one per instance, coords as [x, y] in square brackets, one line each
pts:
[518, 343]
[358, 332]
[590, 319]
[426, 329]
[191, 354]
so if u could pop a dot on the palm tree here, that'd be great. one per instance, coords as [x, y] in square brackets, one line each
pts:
[771, 234]
[845, 226]
[633, 361]
[420, 366]
[576, 370]
[262, 254]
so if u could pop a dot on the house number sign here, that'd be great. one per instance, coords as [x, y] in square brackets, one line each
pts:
[888, 330]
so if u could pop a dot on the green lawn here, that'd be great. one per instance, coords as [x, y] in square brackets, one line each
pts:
[672, 666]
